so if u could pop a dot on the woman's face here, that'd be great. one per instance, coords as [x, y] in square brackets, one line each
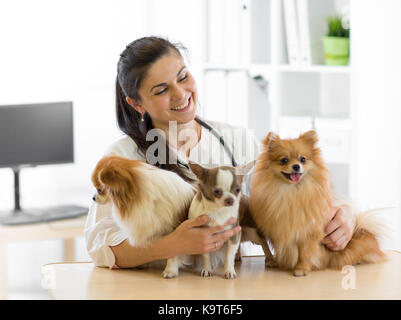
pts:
[168, 92]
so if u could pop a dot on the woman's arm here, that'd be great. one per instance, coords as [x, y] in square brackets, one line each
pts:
[190, 237]
[340, 229]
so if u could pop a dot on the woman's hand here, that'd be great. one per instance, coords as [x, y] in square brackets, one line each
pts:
[340, 229]
[193, 237]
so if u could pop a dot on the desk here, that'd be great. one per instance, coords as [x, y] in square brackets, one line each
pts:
[84, 281]
[66, 229]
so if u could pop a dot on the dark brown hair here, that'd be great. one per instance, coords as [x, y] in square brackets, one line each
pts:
[132, 68]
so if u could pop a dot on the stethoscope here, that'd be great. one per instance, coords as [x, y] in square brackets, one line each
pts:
[217, 134]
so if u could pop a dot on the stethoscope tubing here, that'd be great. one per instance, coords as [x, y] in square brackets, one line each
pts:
[214, 132]
[217, 134]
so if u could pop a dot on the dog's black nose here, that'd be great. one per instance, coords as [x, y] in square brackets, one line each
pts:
[94, 198]
[296, 167]
[228, 202]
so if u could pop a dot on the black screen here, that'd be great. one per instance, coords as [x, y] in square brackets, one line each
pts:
[34, 134]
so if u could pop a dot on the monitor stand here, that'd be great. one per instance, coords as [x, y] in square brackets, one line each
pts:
[20, 216]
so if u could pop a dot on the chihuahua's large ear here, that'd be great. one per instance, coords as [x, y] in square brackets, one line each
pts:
[271, 140]
[244, 169]
[310, 137]
[197, 169]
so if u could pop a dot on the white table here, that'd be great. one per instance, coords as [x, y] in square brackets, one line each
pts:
[85, 281]
[67, 230]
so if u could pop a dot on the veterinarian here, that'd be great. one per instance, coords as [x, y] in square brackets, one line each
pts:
[155, 90]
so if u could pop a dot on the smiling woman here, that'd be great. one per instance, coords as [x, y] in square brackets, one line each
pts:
[165, 99]
[154, 87]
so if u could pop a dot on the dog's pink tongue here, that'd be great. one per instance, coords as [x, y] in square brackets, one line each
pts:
[295, 177]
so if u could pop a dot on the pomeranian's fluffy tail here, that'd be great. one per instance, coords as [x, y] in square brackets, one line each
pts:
[364, 246]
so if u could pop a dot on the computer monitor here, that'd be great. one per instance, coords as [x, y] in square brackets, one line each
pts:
[32, 135]
[36, 134]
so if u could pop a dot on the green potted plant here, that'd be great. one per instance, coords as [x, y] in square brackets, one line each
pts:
[336, 42]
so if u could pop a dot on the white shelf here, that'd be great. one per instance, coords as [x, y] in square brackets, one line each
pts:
[281, 67]
[267, 70]
[306, 96]
[224, 67]
[314, 68]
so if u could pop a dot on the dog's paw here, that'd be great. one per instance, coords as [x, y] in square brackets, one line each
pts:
[169, 274]
[206, 273]
[271, 263]
[300, 272]
[238, 256]
[230, 275]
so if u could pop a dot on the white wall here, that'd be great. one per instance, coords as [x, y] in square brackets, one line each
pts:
[182, 21]
[68, 50]
[65, 50]
[376, 86]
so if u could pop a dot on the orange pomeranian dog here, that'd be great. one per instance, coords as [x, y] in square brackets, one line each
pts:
[291, 194]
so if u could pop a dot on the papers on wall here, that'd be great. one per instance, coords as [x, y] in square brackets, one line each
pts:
[228, 31]
[235, 98]
[304, 38]
[231, 42]
[244, 38]
[260, 31]
[292, 32]
[317, 12]
[305, 24]
[216, 31]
